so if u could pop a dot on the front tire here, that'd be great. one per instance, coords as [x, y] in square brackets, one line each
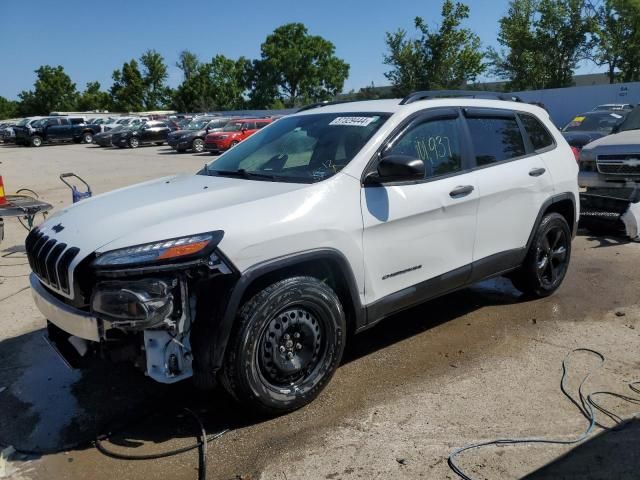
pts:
[286, 346]
[133, 142]
[36, 141]
[198, 145]
[547, 260]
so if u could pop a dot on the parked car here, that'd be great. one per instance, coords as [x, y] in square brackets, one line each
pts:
[191, 137]
[233, 133]
[613, 162]
[24, 124]
[56, 129]
[153, 131]
[103, 139]
[7, 135]
[613, 107]
[589, 126]
[255, 270]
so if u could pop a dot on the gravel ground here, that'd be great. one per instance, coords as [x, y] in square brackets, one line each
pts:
[472, 366]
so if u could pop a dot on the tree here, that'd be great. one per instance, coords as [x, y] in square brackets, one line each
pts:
[195, 94]
[616, 39]
[543, 41]
[299, 67]
[53, 91]
[228, 82]
[8, 108]
[154, 77]
[447, 57]
[127, 91]
[188, 62]
[520, 63]
[93, 98]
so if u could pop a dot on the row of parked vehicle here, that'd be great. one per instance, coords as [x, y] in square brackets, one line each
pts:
[198, 133]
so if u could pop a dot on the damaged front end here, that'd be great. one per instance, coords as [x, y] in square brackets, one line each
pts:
[138, 304]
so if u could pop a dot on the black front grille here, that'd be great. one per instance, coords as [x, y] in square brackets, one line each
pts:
[50, 259]
[619, 164]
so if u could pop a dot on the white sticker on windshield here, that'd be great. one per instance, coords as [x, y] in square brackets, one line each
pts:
[353, 121]
[615, 115]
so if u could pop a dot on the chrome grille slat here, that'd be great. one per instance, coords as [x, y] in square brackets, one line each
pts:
[619, 164]
[50, 260]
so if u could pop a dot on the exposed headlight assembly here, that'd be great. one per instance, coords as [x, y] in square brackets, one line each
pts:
[182, 248]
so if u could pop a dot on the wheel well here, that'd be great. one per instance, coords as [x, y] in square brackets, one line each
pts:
[326, 270]
[565, 208]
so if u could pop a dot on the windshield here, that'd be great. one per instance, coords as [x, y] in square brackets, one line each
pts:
[23, 122]
[124, 121]
[217, 123]
[137, 126]
[632, 122]
[119, 128]
[196, 124]
[595, 122]
[305, 148]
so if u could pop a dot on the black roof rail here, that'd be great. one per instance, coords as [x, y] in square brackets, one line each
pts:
[431, 94]
[324, 104]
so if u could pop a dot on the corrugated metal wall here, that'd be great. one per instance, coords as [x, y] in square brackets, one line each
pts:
[564, 103]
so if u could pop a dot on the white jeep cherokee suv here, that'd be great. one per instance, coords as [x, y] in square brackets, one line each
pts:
[255, 269]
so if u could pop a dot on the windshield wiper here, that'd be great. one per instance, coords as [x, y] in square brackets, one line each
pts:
[242, 173]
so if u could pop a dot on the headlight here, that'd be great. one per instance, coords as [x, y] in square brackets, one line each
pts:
[166, 250]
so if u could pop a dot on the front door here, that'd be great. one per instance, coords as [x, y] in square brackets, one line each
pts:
[419, 235]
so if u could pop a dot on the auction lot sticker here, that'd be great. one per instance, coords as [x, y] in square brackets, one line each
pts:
[353, 121]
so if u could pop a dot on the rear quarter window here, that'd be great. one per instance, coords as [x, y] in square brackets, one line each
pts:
[537, 132]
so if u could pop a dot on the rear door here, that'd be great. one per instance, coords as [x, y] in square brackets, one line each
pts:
[419, 235]
[513, 184]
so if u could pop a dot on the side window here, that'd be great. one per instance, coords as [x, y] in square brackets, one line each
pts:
[436, 142]
[249, 125]
[260, 125]
[77, 121]
[495, 139]
[538, 134]
[162, 125]
[52, 121]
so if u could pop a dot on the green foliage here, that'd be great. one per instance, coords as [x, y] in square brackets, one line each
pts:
[447, 57]
[53, 91]
[297, 67]
[218, 85]
[8, 108]
[128, 89]
[543, 41]
[188, 62]
[154, 76]
[616, 39]
[93, 98]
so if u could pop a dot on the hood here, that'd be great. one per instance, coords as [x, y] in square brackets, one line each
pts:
[623, 142]
[155, 210]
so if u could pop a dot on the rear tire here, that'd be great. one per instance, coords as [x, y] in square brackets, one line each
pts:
[547, 260]
[286, 345]
[87, 137]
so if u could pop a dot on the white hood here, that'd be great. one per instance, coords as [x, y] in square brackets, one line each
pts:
[154, 210]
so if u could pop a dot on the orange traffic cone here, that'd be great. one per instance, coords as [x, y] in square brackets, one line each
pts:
[3, 197]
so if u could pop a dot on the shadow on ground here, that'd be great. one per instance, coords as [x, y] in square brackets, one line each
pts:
[613, 454]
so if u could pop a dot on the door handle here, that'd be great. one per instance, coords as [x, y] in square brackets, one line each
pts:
[461, 191]
[536, 172]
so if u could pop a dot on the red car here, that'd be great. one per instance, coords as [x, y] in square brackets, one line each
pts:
[233, 133]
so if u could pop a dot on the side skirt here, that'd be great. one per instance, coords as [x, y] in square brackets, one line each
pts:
[460, 278]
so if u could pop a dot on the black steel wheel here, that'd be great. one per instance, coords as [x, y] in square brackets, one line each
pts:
[287, 345]
[547, 260]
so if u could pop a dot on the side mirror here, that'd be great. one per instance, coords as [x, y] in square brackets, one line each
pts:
[397, 168]
[243, 130]
[206, 130]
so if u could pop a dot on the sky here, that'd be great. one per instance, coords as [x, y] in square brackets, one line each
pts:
[92, 38]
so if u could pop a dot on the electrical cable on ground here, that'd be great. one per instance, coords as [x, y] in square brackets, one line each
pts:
[585, 404]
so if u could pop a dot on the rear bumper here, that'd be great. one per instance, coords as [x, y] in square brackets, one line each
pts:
[73, 321]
